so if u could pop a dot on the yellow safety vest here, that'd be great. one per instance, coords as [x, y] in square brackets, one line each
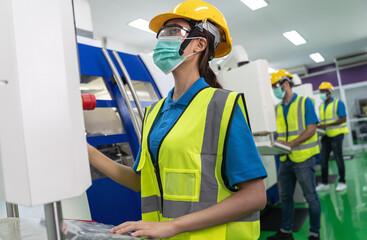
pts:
[293, 128]
[331, 115]
[191, 159]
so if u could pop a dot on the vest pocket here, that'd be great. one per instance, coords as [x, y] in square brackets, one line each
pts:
[181, 184]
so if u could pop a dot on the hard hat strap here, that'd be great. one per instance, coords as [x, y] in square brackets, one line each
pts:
[188, 39]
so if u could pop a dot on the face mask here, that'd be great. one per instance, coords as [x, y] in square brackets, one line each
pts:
[166, 55]
[279, 93]
[323, 96]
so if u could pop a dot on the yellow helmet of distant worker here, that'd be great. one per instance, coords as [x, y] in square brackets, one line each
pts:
[279, 75]
[198, 10]
[326, 86]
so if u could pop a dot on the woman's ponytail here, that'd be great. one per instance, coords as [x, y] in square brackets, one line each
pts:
[204, 69]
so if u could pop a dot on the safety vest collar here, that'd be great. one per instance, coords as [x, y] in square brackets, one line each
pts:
[295, 95]
[286, 132]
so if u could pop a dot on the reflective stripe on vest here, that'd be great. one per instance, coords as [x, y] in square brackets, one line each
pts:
[330, 116]
[190, 166]
[293, 128]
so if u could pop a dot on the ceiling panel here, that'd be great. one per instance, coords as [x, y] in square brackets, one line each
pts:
[331, 27]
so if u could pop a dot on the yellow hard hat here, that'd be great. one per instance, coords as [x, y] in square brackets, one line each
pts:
[326, 86]
[279, 75]
[198, 10]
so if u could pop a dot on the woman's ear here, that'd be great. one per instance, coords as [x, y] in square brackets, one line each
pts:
[201, 45]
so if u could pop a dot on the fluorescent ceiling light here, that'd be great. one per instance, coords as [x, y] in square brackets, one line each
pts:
[141, 24]
[294, 37]
[255, 4]
[271, 70]
[317, 57]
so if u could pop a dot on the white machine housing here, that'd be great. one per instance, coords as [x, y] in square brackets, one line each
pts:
[252, 79]
[43, 154]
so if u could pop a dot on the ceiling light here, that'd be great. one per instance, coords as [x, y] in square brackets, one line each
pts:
[255, 4]
[294, 37]
[317, 57]
[271, 70]
[141, 24]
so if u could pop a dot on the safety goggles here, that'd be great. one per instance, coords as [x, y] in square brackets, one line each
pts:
[276, 85]
[172, 30]
[281, 81]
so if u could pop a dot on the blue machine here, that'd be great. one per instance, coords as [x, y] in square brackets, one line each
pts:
[109, 202]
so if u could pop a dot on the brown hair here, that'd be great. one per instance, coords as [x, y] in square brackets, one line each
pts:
[204, 69]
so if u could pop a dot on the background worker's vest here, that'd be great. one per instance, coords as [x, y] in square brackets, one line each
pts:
[330, 115]
[293, 128]
[188, 176]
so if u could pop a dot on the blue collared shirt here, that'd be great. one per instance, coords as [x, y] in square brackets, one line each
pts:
[243, 161]
[310, 114]
[340, 109]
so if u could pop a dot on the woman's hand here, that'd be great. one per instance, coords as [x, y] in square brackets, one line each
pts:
[150, 229]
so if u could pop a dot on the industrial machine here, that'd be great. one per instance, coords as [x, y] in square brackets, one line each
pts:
[43, 133]
[43, 155]
[114, 125]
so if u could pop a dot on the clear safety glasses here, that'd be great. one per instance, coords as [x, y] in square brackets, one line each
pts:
[276, 85]
[172, 30]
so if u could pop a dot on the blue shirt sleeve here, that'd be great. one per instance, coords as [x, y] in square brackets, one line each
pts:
[243, 161]
[311, 116]
[136, 162]
[341, 109]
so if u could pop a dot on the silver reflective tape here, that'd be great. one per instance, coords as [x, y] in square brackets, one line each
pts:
[330, 119]
[282, 135]
[250, 218]
[209, 184]
[151, 107]
[305, 146]
[300, 116]
[291, 133]
[334, 109]
[335, 127]
[175, 209]
[150, 204]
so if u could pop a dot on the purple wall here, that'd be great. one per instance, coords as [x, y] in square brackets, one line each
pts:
[348, 76]
[322, 68]
[353, 75]
[317, 80]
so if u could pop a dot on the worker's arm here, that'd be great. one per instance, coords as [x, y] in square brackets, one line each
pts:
[337, 122]
[119, 173]
[309, 132]
[250, 198]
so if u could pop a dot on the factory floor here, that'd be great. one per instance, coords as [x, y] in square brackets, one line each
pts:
[343, 214]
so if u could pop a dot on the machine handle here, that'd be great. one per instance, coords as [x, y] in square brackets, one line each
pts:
[122, 89]
[129, 83]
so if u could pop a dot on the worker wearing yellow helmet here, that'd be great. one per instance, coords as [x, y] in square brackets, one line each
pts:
[198, 169]
[333, 119]
[296, 128]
